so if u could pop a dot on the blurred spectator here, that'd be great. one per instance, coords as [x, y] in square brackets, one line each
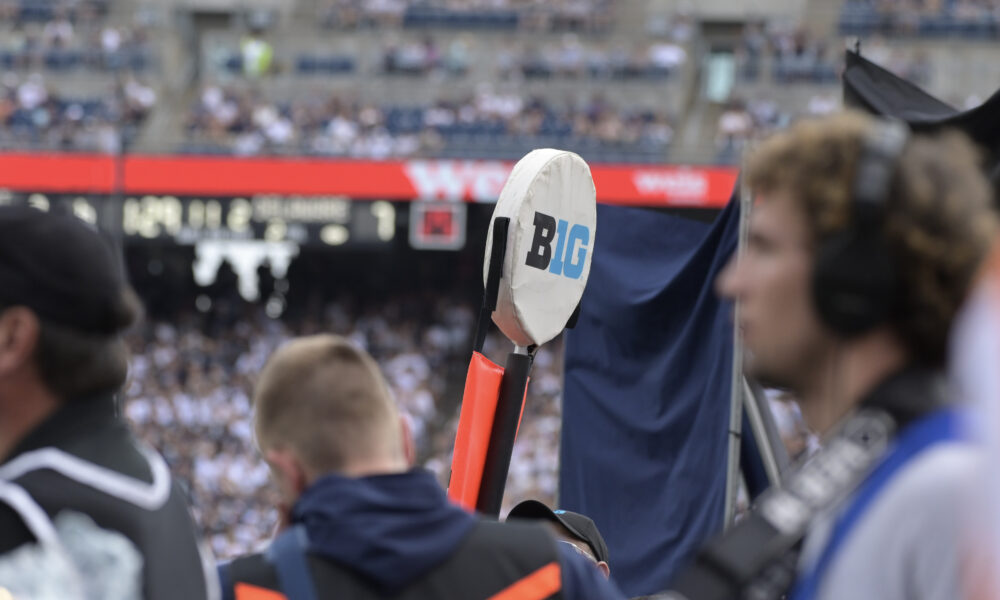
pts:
[823, 104]
[32, 93]
[458, 56]
[58, 33]
[797, 438]
[752, 47]
[758, 117]
[256, 54]
[412, 58]
[802, 56]
[735, 127]
[666, 57]
[139, 99]
[385, 13]
[31, 114]
[795, 53]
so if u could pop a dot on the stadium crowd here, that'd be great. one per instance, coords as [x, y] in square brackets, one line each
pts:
[71, 35]
[796, 54]
[532, 15]
[192, 377]
[245, 123]
[193, 373]
[746, 120]
[570, 57]
[32, 114]
[925, 17]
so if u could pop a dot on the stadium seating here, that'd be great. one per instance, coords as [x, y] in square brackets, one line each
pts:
[953, 18]
[431, 16]
[402, 58]
[41, 11]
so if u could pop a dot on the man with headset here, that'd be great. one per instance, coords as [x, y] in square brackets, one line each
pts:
[862, 244]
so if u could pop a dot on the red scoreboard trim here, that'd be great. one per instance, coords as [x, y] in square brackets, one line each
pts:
[69, 173]
[452, 180]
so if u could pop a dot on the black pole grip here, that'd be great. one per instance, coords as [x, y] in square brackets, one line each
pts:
[493, 275]
[505, 421]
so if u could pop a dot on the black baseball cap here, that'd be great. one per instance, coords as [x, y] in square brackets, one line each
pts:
[62, 269]
[581, 526]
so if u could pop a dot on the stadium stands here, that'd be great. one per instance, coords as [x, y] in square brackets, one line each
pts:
[489, 125]
[193, 372]
[193, 405]
[554, 15]
[63, 37]
[278, 81]
[936, 18]
[42, 11]
[560, 81]
[35, 116]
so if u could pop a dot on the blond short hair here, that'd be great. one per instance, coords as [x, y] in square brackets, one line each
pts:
[327, 400]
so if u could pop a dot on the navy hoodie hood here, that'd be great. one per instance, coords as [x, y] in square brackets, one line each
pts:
[391, 529]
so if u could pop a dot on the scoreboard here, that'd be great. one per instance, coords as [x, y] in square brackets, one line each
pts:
[305, 220]
[319, 203]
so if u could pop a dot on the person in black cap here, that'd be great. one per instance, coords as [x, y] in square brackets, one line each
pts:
[571, 528]
[64, 305]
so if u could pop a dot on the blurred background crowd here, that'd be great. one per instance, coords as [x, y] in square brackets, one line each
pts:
[336, 126]
[195, 362]
[638, 82]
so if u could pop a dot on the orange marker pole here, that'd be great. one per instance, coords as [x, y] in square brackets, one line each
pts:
[507, 417]
[475, 424]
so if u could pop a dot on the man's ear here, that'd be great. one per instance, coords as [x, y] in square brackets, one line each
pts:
[19, 329]
[604, 568]
[409, 447]
[288, 470]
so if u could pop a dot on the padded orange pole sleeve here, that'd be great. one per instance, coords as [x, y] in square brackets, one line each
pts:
[475, 423]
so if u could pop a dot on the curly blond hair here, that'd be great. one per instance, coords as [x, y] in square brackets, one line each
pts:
[938, 225]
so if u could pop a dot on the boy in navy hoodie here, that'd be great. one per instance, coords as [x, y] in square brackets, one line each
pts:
[361, 522]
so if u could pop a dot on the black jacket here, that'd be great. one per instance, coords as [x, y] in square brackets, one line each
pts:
[84, 459]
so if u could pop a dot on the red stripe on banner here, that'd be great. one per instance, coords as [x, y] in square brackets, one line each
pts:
[61, 173]
[246, 176]
[676, 186]
[452, 180]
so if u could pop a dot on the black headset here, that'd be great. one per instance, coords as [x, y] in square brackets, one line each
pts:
[854, 281]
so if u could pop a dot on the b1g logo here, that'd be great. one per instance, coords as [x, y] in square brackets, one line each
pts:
[572, 246]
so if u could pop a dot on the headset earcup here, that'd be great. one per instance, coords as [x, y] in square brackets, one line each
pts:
[853, 282]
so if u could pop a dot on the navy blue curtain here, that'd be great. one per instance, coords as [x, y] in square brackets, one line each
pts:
[646, 400]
